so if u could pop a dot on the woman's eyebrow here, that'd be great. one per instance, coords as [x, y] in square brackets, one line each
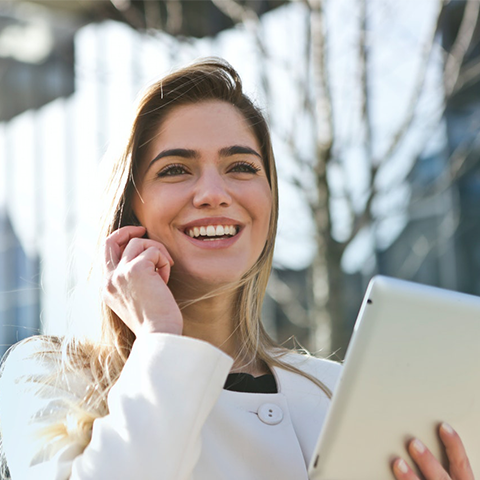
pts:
[236, 149]
[174, 152]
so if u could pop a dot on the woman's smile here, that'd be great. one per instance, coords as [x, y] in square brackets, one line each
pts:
[204, 193]
[213, 232]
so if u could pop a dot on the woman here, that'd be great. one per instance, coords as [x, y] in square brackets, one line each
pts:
[184, 382]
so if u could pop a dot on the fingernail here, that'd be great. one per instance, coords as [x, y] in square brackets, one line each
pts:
[447, 428]
[418, 446]
[402, 465]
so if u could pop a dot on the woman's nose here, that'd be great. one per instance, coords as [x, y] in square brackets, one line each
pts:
[211, 191]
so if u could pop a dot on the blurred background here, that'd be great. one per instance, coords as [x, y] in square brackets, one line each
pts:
[374, 107]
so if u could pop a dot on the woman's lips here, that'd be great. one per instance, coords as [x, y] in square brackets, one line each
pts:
[212, 232]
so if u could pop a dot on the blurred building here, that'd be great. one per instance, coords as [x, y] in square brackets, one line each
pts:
[36, 67]
[19, 287]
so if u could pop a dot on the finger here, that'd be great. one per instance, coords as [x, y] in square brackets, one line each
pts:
[402, 471]
[426, 462]
[159, 262]
[460, 468]
[116, 243]
[137, 245]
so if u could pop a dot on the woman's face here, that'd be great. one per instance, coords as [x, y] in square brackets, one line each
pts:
[204, 193]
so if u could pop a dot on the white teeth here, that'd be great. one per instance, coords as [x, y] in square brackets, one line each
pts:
[211, 231]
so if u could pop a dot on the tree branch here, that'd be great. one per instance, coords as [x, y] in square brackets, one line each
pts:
[422, 247]
[174, 16]
[236, 12]
[461, 45]
[365, 218]
[365, 97]
[130, 13]
[287, 300]
[324, 113]
[469, 74]
[459, 167]
[412, 105]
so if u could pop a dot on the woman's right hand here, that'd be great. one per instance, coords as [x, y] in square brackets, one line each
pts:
[137, 271]
[458, 463]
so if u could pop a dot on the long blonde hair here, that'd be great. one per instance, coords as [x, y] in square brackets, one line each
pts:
[210, 79]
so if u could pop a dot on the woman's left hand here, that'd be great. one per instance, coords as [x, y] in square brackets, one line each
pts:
[459, 465]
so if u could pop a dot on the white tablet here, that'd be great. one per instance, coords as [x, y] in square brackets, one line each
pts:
[413, 362]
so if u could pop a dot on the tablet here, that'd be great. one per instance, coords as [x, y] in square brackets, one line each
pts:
[413, 362]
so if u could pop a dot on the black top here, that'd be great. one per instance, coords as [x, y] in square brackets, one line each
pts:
[244, 382]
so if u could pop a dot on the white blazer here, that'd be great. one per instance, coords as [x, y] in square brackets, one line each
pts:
[170, 418]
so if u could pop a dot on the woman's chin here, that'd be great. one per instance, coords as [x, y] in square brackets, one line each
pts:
[202, 282]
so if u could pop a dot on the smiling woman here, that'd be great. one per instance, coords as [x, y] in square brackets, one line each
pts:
[184, 382]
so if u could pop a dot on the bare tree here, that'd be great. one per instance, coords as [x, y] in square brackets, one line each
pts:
[327, 314]
[330, 251]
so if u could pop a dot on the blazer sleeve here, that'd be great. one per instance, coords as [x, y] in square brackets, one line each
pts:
[157, 408]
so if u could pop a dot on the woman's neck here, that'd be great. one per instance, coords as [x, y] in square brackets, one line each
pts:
[212, 320]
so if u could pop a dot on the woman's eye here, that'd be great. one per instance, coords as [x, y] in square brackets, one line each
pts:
[245, 167]
[172, 171]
